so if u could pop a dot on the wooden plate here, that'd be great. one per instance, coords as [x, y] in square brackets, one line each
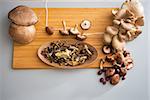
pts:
[87, 62]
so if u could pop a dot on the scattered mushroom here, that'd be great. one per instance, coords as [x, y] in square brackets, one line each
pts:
[64, 31]
[22, 34]
[49, 30]
[117, 44]
[81, 37]
[112, 30]
[140, 21]
[107, 38]
[115, 79]
[74, 30]
[127, 26]
[110, 72]
[23, 15]
[107, 49]
[85, 24]
[22, 28]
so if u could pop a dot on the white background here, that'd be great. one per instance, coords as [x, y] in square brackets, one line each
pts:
[71, 84]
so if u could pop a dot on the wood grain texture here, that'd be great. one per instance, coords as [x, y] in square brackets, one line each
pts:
[25, 56]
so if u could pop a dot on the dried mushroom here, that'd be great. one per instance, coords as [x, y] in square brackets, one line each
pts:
[85, 24]
[74, 30]
[64, 31]
[66, 54]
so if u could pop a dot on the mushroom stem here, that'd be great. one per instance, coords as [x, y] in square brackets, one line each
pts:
[101, 62]
[75, 27]
[64, 24]
[46, 16]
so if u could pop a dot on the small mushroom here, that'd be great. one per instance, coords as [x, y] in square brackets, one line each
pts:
[64, 31]
[115, 79]
[127, 26]
[49, 30]
[110, 72]
[117, 44]
[140, 21]
[81, 37]
[23, 15]
[107, 49]
[107, 38]
[85, 24]
[112, 30]
[123, 71]
[74, 30]
[120, 14]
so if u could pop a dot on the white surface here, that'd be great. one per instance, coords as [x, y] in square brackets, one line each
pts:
[70, 84]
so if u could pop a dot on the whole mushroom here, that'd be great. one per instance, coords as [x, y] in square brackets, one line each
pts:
[22, 34]
[64, 31]
[112, 30]
[117, 44]
[107, 38]
[74, 30]
[22, 28]
[23, 15]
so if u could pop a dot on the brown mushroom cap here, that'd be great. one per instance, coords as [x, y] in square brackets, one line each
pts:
[23, 15]
[22, 34]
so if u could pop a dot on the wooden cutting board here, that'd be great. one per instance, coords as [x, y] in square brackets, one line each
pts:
[25, 56]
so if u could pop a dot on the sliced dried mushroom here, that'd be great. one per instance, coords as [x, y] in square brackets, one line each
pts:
[107, 49]
[85, 24]
[67, 55]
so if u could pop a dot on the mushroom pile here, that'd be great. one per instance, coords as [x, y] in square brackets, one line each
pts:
[121, 61]
[127, 24]
[66, 54]
[22, 29]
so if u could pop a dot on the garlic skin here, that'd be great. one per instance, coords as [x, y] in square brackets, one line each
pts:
[22, 34]
[136, 7]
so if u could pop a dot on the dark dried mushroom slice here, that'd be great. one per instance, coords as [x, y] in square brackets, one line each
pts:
[107, 49]
[81, 37]
[85, 24]
[115, 79]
